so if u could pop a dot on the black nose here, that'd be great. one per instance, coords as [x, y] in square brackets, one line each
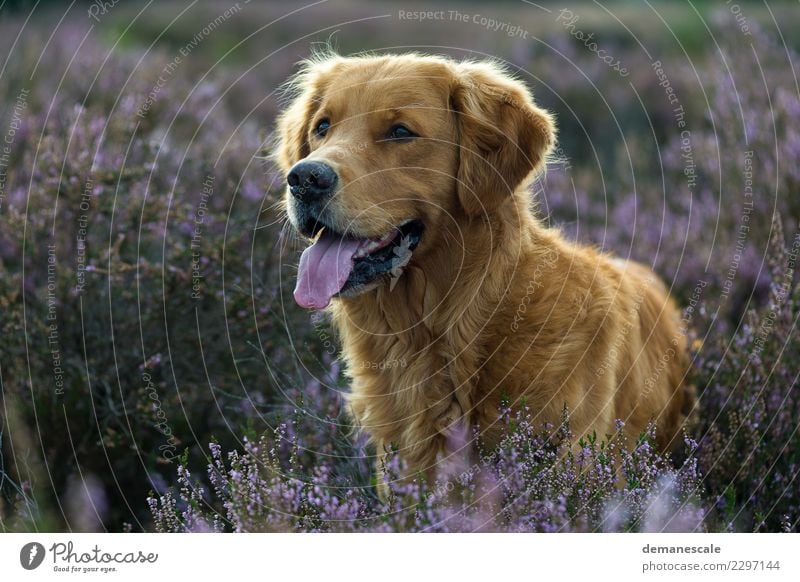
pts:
[311, 181]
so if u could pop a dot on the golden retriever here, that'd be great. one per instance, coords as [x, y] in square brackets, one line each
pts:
[410, 174]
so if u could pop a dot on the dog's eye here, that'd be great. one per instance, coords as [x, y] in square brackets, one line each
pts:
[400, 133]
[322, 128]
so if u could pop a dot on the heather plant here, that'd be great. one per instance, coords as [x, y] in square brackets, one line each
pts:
[698, 204]
[532, 481]
[120, 237]
[748, 449]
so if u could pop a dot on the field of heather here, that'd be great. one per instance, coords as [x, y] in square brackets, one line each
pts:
[157, 375]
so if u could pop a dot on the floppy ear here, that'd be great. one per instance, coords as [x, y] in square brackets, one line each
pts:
[504, 137]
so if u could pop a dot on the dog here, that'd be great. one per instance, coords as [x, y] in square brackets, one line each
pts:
[410, 175]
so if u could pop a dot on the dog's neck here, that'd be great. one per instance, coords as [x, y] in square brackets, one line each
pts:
[464, 273]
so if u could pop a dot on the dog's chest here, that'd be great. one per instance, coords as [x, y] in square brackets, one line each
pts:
[398, 362]
[418, 372]
[389, 370]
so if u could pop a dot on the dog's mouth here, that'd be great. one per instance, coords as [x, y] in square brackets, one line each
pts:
[340, 264]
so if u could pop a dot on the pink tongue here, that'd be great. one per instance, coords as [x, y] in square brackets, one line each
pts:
[324, 269]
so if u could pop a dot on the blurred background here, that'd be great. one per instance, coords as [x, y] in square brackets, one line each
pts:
[145, 282]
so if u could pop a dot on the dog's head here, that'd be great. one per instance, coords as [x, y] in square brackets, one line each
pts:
[381, 152]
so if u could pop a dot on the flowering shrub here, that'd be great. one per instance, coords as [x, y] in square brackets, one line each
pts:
[533, 481]
[147, 330]
[749, 449]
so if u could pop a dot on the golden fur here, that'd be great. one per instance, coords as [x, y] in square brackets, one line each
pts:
[493, 304]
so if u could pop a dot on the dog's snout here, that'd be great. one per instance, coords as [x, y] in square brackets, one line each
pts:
[310, 181]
